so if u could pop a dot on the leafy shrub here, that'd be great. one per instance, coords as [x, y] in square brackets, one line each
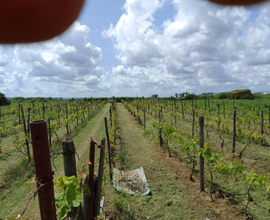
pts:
[189, 97]
[235, 96]
[3, 100]
[223, 96]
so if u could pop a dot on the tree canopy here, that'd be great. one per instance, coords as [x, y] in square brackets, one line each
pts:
[3, 100]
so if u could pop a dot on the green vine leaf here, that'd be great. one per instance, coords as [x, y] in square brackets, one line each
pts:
[86, 189]
[71, 197]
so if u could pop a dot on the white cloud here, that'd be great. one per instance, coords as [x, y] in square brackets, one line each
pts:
[69, 58]
[203, 48]
[70, 62]
[193, 46]
[134, 33]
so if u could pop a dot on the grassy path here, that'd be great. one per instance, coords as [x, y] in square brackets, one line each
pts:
[173, 195]
[225, 187]
[15, 198]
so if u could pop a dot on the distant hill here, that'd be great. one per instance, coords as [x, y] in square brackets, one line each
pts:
[237, 94]
[241, 92]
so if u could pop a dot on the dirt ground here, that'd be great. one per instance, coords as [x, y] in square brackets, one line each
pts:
[173, 195]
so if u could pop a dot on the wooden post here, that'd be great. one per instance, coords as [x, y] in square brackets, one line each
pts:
[85, 201]
[109, 147]
[69, 158]
[209, 109]
[262, 122]
[26, 136]
[19, 111]
[234, 129]
[182, 108]
[224, 109]
[43, 110]
[88, 108]
[50, 135]
[58, 111]
[201, 143]
[193, 122]
[111, 116]
[269, 114]
[160, 133]
[66, 117]
[44, 173]
[90, 211]
[144, 117]
[28, 122]
[99, 179]
[77, 116]
[68, 149]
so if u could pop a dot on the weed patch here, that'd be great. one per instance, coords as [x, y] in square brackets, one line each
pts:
[123, 204]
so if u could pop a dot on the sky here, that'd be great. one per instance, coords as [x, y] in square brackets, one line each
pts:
[140, 48]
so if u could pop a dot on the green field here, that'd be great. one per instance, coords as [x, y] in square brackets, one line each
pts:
[234, 184]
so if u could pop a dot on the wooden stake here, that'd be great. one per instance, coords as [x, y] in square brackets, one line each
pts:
[193, 122]
[234, 129]
[109, 147]
[262, 122]
[68, 149]
[44, 174]
[26, 135]
[99, 179]
[201, 143]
